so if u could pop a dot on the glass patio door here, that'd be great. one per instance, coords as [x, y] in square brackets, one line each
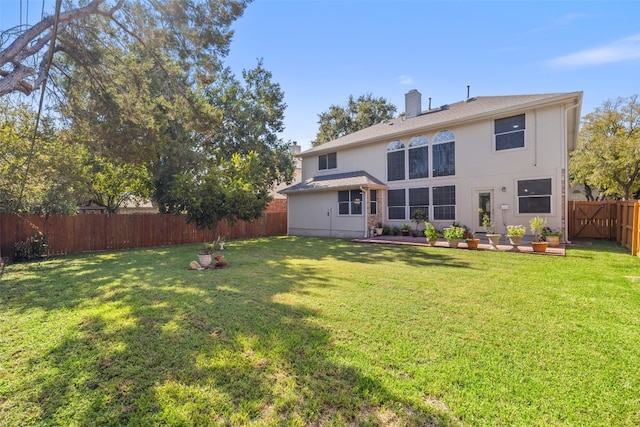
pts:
[484, 205]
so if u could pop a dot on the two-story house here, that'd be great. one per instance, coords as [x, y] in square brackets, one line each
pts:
[502, 155]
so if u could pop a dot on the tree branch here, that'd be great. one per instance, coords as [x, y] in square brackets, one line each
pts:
[14, 72]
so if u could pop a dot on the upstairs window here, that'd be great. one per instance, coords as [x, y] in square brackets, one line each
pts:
[327, 161]
[419, 157]
[534, 196]
[395, 161]
[444, 154]
[350, 202]
[509, 132]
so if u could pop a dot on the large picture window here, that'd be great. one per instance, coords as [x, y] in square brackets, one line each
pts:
[534, 196]
[327, 161]
[419, 199]
[509, 132]
[350, 202]
[419, 157]
[444, 154]
[395, 161]
[397, 204]
[444, 203]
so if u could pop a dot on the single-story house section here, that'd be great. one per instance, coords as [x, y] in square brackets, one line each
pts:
[505, 156]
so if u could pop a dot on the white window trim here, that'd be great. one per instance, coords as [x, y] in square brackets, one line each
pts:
[362, 206]
[510, 150]
[551, 196]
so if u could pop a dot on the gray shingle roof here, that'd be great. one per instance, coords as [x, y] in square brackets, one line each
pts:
[440, 117]
[339, 181]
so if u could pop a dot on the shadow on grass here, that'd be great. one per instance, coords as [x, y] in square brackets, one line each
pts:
[155, 344]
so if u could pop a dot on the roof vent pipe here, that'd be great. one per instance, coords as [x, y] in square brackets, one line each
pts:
[468, 91]
[429, 103]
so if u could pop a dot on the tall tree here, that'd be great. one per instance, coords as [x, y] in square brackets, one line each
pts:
[146, 87]
[136, 96]
[358, 114]
[56, 180]
[241, 155]
[607, 157]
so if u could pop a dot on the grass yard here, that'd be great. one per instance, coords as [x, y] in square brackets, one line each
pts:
[303, 331]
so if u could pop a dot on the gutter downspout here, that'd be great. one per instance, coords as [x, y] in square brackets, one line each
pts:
[565, 164]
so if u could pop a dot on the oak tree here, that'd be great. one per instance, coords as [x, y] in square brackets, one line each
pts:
[607, 157]
[358, 114]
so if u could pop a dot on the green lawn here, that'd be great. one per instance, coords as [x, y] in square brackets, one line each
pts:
[302, 331]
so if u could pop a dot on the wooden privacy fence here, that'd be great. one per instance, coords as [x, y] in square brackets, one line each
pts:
[84, 233]
[607, 219]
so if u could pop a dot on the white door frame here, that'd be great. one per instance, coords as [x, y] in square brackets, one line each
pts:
[482, 197]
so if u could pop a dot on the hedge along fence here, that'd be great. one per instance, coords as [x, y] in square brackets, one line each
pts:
[95, 232]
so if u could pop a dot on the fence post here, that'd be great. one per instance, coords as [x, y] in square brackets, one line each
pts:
[635, 230]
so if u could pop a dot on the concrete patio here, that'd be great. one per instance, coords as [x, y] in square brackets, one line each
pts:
[504, 246]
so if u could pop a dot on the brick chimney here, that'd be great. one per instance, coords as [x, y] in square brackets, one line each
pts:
[412, 104]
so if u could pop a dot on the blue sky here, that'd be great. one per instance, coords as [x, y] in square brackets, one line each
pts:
[322, 51]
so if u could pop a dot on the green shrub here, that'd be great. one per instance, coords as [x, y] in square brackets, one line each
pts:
[34, 247]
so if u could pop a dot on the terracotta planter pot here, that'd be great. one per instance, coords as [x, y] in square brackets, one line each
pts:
[432, 240]
[472, 243]
[539, 246]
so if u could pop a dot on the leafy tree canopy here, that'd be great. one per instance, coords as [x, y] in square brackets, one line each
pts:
[607, 158]
[56, 178]
[358, 114]
[142, 85]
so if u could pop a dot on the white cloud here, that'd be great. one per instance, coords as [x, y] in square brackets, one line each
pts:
[620, 50]
[564, 21]
[405, 80]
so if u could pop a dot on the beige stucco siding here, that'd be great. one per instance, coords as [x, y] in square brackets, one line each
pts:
[478, 168]
[316, 214]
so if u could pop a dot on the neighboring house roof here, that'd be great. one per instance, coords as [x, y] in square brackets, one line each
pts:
[337, 181]
[92, 206]
[441, 117]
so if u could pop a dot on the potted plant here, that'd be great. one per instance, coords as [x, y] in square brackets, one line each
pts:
[405, 228]
[431, 233]
[418, 216]
[395, 230]
[489, 226]
[472, 241]
[537, 225]
[515, 234]
[205, 254]
[453, 235]
[378, 229]
[552, 238]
